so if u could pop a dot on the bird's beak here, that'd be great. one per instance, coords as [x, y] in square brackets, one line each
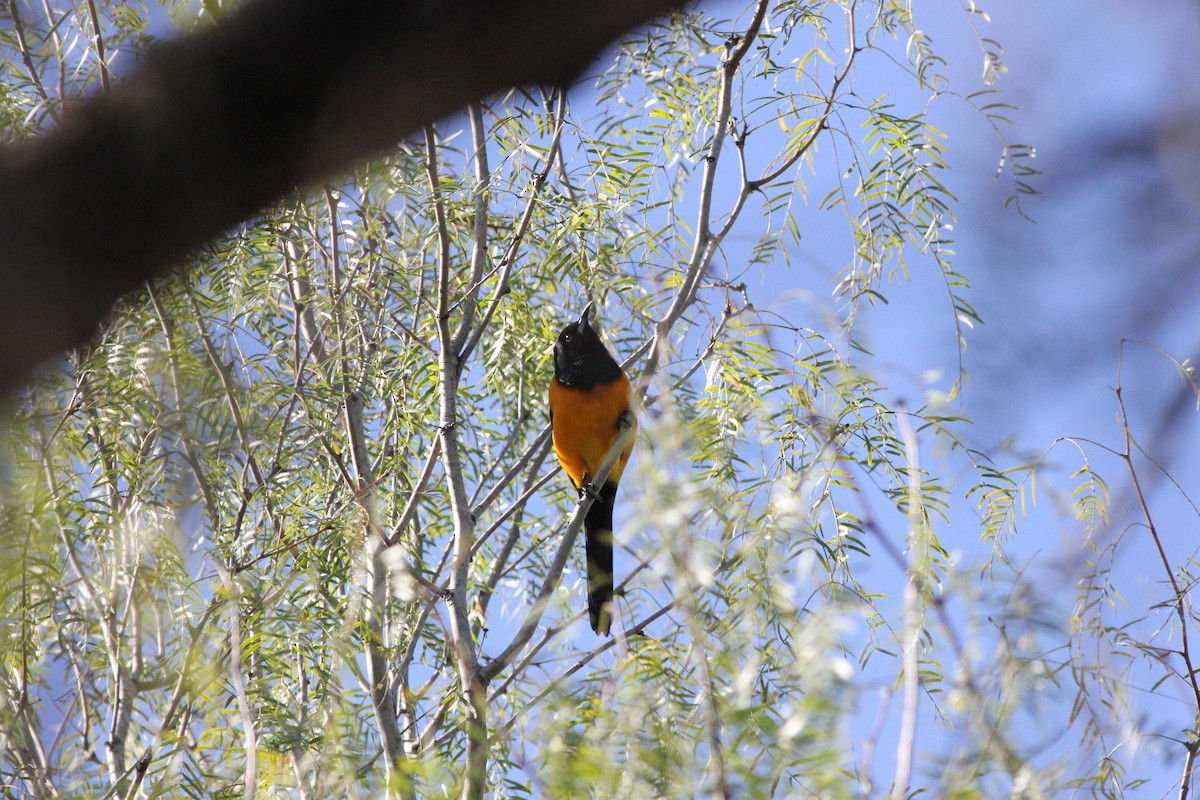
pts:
[583, 318]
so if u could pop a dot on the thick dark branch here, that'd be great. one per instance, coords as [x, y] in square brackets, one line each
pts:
[218, 125]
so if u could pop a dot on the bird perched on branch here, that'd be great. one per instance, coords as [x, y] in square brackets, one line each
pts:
[590, 405]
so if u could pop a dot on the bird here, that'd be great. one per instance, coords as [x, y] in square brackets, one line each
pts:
[590, 404]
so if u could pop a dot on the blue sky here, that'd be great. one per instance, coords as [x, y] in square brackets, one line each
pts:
[1108, 95]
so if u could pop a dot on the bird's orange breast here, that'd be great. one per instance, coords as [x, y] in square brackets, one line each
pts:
[585, 425]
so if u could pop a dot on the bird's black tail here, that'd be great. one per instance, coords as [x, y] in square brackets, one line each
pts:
[598, 527]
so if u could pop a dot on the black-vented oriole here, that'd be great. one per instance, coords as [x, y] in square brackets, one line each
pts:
[589, 405]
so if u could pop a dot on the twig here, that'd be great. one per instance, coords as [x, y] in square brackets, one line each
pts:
[534, 616]
[469, 303]
[416, 492]
[1178, 594]
[519, 231]
[712, 717]
[704, 242]
[580, 664]
[823, 119]
[534, 450]
[510, 441]
[533, 485]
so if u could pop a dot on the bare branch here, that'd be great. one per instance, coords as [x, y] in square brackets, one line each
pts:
[450, 369]
[704, 243]
[550, 582]
[1189, 766]
[1177, 597]
[914, 611]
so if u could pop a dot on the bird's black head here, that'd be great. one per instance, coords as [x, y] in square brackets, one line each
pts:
[580, 358]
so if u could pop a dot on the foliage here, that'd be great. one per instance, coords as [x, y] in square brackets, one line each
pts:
[290, 524]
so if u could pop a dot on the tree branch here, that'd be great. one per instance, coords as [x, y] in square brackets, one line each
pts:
[914, 610]
[526, 631]
[704, 243]
[220, 124]
[449, 371]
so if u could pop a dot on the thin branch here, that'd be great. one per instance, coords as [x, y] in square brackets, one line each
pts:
[704, 242]
[225, 376]
[532, 452]
[479, 233]
[550, 582]
[59, 51]
[1189, 766]
[913, 611]
[520, 230]
[98, 43]
[712, 716]
[237, 677]
[510, 441]
[27, 59]
[532, 485]
[1178, 594]
[823, 118]
[416, 493]
[472, 686]
[581, 663]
